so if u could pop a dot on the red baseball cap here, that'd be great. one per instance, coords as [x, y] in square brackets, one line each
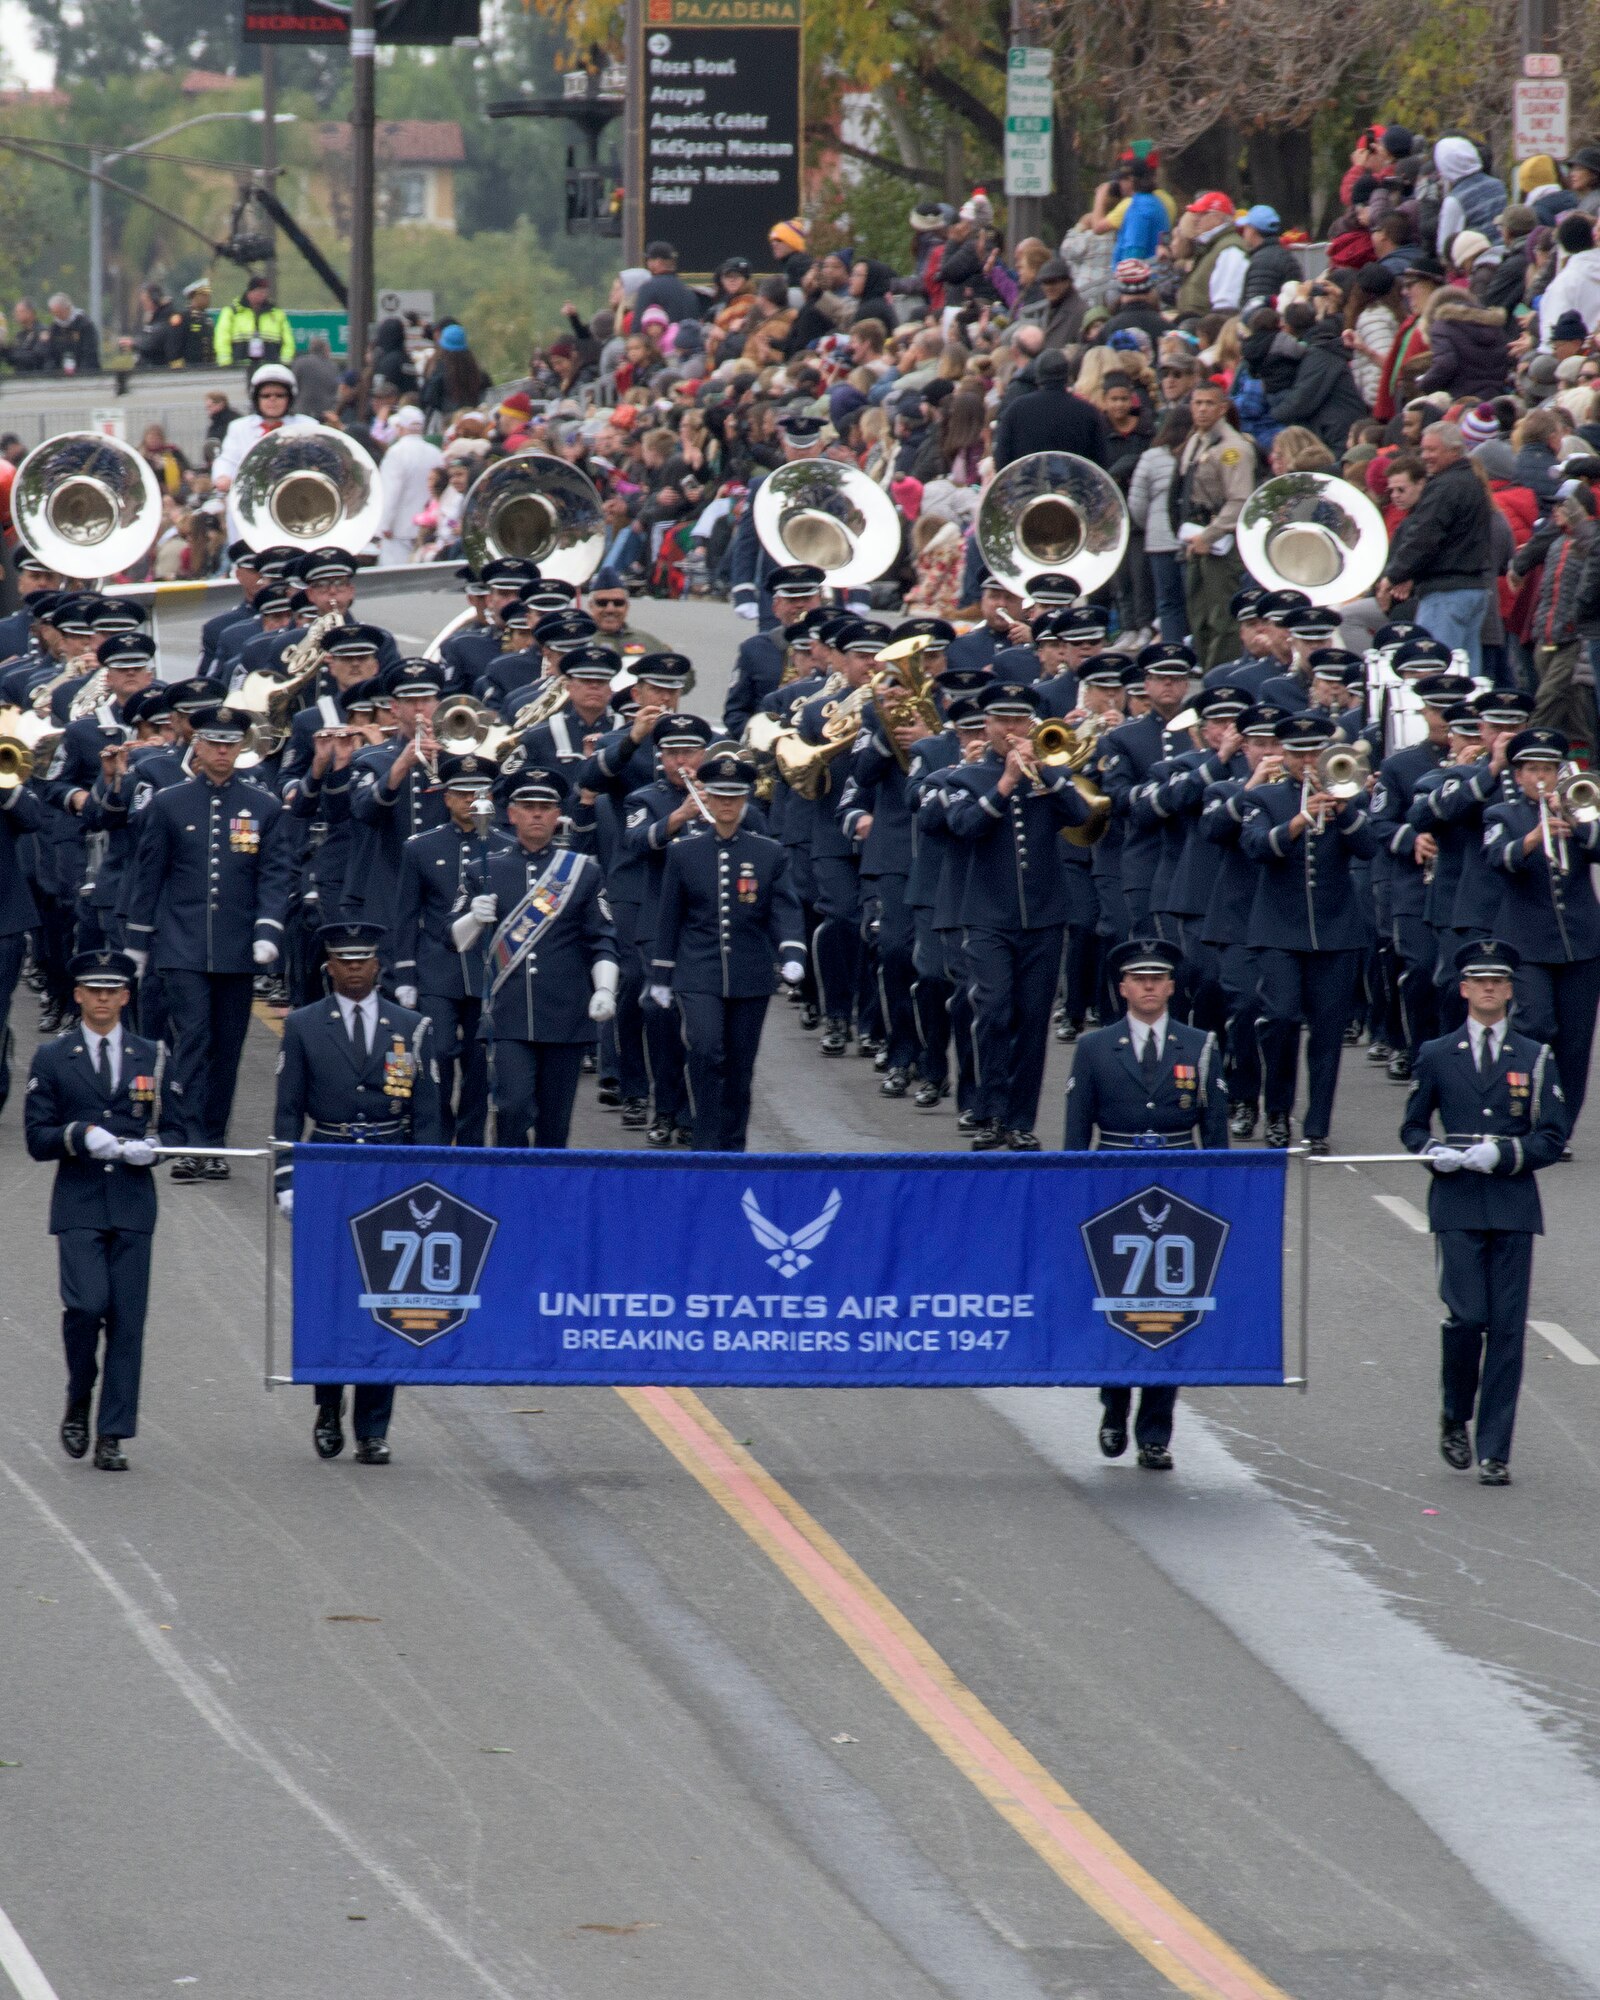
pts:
[1211, 203]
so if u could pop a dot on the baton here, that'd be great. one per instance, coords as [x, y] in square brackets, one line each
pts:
[210, 1152]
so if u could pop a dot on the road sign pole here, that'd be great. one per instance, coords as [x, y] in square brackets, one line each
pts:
[633, 138]
[363, 173]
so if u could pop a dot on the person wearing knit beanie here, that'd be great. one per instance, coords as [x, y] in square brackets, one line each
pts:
[1479, 425]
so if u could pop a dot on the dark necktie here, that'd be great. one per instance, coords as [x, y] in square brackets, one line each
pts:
[102, 1065]
[358, 1033]
[1485, 1054]
[1150, 1062]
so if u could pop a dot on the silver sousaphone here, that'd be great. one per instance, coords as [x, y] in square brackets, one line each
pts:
[307, 489]
[1053, 511]
[815, 510]
[88, 505]
[1316, 533]
[539, 508]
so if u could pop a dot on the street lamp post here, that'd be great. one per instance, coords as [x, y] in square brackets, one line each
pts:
[99, 161]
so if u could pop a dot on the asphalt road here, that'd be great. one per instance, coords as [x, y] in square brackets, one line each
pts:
[547, 1709]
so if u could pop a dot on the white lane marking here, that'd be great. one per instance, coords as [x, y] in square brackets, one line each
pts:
[1337, 1641]
[1564, 1343]
[20, 1966]
[221, 1718]
[1406, 1211]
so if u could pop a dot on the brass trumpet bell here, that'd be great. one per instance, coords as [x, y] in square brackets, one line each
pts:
[88, 505]
[310, 489]
[540, 509]
[815, 510]
[1313, 532]
[1342, 772]
[1579, 793]
[1050, 511]
[16, 764]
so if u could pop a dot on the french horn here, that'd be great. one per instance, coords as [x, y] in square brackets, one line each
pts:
[1316, 533]
[88, 505]
[307, 489]
[540, 509]
[1053, 511]
[815, 510]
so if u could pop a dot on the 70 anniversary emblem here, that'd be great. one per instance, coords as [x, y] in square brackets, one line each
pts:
[422, 1254]
[1155, 1258]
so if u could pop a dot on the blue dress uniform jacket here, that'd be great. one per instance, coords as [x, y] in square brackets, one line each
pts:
[467, 654]
[727, 914]
[1519, 1104]
[1107, 1093]
[930, 760]
[636, 879]
[1392, 793]
[64, 1099]
[1125, 758]
[21, 813]
[505, 674]
[213, 873]
[547, 998]
[433, 873]
[1551, 918]
[878, 787]
[212, 630]
[384, 821]
[1305, 899]
[1233, 887]
[1016, 878]
[388, 1096]
[1459, 801]
[757, 671]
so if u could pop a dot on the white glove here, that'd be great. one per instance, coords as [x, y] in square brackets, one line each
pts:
[140, 959]
[661, 996]
[138, 1152]
[406, 995]
[100, 1144]
[465, 931]
[1444, 1159]
[264, 952]
[602, 1006]
[747, 607]
[791, 972]
[604, 976]
[1482, 1158]
[286, 1201]
[485, 908]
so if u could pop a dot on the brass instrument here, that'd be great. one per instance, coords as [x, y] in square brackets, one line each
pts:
[464, 726]
[1053, 510]
[1579, 793]
[299, 666]
[1069, 746]
[89, 505]
[89, 696]
[539, 508]
[1313, 532]
[16, 764]
[547, 702]
[311, 487]
[815, 510]
[27, 742]
[804, 767]
[903, 693]
[1343, 770]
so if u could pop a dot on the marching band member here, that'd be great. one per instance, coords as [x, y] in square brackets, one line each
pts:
[357, 1070]
[90, 1104]
[1146, 1082]
[758, 670]
[1498, 1097]
[394, 793]
[727, 914]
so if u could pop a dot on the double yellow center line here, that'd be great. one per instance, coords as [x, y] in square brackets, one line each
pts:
[1065, 1837]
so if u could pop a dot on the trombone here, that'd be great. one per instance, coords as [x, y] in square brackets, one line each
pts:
[1342, 772]
[1577, 796]
[1070, 746]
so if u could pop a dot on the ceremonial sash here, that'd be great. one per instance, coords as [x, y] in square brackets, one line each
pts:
[533, 916]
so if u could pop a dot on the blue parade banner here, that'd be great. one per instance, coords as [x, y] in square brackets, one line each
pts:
[432, 1265]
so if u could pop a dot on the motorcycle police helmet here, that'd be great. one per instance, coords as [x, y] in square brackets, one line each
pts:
[272, 374]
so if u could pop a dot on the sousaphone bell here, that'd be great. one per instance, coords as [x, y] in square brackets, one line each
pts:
[88, 505]
[540, 509]
[1053, 511]
[307, 489]
[817, 511]
[1316, 533]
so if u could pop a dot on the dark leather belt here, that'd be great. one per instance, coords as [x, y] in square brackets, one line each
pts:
[1146, 1142]
[360, 1133]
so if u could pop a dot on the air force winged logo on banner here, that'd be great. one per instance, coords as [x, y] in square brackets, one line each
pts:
[789, 1248]
[1155, 1259]
[422, 1254]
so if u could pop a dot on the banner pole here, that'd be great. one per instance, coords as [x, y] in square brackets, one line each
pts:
[1305, 1271]
[270, 1357]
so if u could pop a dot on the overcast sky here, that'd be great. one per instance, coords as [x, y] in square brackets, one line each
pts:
[23, 62]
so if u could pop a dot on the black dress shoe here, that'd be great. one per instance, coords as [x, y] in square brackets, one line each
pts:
[588, 1065]
[1455, 1447]
[635, 1113]
[1068, 1031]
[1242, 1120]
[870, 1045]
[1319, 1148]
[896, 1082]
[186, 1170]
[1155, 1458]
[835, 1036]
[328, 1436]
[109, 1455]
[215, 1169]
[1399, 1070]
[809, 1016]
[1022, 1142]
[929, 1096]
[1352, 1035]
[1277, 1133]
[683, 1135]
[660, 1133]
[372, 1451]
[608, 1093]
[988, 1136]
[1380, 1052]
[1494, 1472]
[967, 1122]
[75, 1432]
[1113, 1440]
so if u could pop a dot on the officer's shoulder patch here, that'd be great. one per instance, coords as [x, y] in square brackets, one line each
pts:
[1229, 455]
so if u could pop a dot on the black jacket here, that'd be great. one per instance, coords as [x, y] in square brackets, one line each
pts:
[1468, 344]
[1270, 268]
[1323, 395]
[1050, 420]
[1444, 543]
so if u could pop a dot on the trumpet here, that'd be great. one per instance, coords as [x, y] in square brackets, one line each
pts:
[1343, 770]
[16, 764]
[1069, 746]
[1577, 803]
